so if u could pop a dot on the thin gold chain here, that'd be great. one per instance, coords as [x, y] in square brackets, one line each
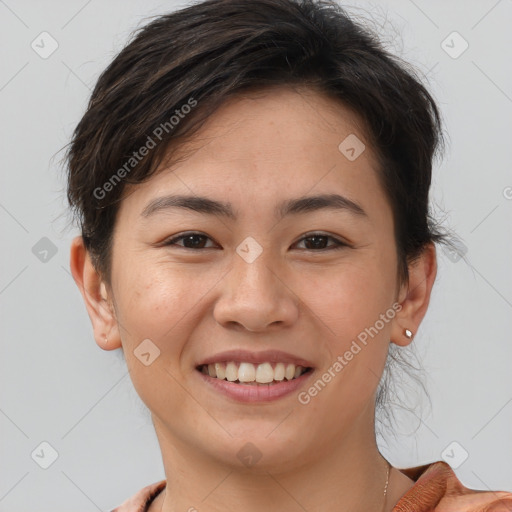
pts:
[386, 488]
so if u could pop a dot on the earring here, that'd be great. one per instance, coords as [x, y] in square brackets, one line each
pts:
[408, 334]
[106, 340]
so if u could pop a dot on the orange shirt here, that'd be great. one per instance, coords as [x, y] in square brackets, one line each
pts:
[436, 489]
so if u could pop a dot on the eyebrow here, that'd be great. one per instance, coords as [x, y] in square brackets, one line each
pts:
[208, 206]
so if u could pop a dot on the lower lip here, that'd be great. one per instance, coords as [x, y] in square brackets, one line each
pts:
[258, 392]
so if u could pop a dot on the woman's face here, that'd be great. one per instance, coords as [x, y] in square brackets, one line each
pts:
[258, 281]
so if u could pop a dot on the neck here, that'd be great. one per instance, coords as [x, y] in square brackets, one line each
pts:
[350, 477]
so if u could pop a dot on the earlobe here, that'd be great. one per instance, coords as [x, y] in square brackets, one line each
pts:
[416, 298]
[95, 295]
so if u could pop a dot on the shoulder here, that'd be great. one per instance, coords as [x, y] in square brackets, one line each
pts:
[140, 501]
[438, 489]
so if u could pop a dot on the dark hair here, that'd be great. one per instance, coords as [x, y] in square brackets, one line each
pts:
[185, 64]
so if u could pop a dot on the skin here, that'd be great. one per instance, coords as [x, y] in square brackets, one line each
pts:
[255, 152]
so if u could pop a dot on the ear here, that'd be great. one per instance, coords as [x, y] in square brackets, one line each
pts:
[415, 297]
[96, 295]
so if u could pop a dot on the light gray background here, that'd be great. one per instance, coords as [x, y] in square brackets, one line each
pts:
[58, 386]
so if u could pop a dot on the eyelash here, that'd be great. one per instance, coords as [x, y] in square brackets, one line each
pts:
[338, 244]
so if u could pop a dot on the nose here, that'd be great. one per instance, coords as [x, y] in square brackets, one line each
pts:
[256, 296]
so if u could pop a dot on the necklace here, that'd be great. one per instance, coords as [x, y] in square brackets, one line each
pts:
[386, 488]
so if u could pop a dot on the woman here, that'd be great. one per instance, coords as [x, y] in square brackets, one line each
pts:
[251, 180]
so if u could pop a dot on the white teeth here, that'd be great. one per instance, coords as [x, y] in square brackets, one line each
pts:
[262, 373]
[279, 372]
[221, 371]
[246, 372]
[231, 372]
[289, 372]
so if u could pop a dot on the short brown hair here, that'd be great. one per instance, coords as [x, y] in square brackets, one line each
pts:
[215, 49]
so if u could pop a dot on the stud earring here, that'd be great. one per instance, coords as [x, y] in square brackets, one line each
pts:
[106, 340]
[408, 334]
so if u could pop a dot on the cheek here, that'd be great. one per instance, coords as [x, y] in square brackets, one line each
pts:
[356, 340]
[162, 301]
[157, 305]
[352, 297]
[151, 300]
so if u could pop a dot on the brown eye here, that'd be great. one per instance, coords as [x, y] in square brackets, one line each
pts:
[314, 242]
[318, 241]
[190, 241]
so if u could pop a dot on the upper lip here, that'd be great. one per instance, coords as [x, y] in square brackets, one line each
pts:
[266, 356]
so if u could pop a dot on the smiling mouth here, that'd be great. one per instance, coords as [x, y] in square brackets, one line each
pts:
[253, 374]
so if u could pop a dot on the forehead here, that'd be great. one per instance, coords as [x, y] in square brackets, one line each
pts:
[267, 146]
[279, 123]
